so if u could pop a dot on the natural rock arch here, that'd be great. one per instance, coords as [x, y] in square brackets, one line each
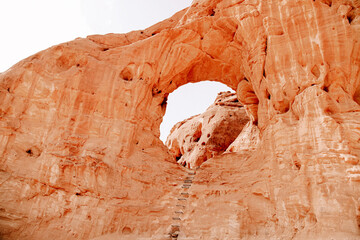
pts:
[89, 111]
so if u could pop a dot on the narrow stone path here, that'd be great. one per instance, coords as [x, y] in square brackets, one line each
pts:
[180, 206]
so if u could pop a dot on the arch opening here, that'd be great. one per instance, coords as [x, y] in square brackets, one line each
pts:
[201, 121]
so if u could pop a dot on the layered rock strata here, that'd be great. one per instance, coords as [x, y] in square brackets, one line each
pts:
[209, 134]
[80, 155]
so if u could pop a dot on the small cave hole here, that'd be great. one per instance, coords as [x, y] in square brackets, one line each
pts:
[196, 139]
[8, 89]
[29, 152]
[78, 65]
[208, 135]
[155, 91]
[326, 89]
[77, 194]
[269, 97]
[126, 230]
[212, 12]
[105, 49]
[141, 32]
[349, 18]
[126, 74]
[203, 143]
[153, 34]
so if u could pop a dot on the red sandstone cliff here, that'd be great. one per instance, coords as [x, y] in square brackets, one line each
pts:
[79, 128]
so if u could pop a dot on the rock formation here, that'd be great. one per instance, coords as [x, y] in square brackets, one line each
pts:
[206, 135]
[79, 128]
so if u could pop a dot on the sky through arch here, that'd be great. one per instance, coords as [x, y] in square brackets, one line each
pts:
[189, 100]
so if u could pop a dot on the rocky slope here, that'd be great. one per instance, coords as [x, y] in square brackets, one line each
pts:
[209, 134]
[80, 155]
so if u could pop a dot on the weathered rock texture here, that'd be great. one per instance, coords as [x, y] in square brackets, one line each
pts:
[206, 135]
[79, 127]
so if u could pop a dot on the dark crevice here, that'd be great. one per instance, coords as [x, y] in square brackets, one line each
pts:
[246, 79]
[266, 44]
[326, 89]
[212, 12]
[155, 91]
[105, 49]
[29, 152]
[164, 102]
[349, 18]
[8, 89]
[265, 51]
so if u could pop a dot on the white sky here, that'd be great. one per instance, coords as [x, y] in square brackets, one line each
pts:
[29, 26]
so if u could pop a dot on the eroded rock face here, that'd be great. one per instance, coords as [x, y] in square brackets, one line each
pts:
[80, 155]
[201, 137]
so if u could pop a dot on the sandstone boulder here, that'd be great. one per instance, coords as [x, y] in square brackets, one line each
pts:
[201, 137]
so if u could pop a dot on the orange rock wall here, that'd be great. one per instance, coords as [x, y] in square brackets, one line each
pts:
[79, 127]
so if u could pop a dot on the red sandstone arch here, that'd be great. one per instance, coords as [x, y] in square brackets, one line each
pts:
[80, 121]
